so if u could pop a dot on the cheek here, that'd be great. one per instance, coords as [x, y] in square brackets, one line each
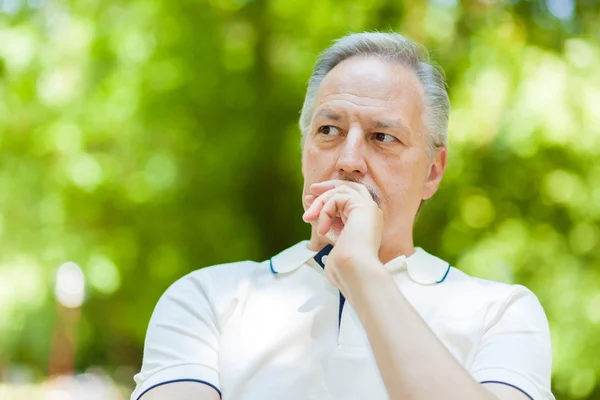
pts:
[315, 162]
[397, 194]
[405, 181]
[310, 168]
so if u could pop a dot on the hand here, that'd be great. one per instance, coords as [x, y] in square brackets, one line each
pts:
[349, 204]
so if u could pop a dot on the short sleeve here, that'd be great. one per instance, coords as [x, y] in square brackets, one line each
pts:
[516, 350]
[182, 338]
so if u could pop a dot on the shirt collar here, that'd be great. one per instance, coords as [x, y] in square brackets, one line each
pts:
[291, 258]
[422, 267]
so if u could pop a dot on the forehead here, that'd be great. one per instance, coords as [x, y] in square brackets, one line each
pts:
[371, 86]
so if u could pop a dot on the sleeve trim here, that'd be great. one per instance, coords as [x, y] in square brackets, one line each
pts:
[181, 380]
[511, 385]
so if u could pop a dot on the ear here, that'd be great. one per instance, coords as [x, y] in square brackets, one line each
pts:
[435, 172]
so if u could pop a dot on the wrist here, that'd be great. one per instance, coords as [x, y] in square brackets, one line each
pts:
[371, 275]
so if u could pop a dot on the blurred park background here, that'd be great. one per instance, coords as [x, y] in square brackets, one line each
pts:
[143, 139]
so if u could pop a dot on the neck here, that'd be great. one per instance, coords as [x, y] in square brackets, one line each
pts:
[388, 250]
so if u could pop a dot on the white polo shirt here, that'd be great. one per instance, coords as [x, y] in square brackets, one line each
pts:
[278, 330]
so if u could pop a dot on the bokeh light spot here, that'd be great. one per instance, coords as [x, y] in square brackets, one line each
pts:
[593, 308]
[561, 9]
[103, 275]
[160, 171]
[561, 186]
[477, 211]
[583, 237]
[70, 285]
[85, 171]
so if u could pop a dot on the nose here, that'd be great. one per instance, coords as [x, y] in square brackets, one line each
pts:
[351, 160]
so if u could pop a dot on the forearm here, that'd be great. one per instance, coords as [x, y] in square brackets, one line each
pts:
[412, 361]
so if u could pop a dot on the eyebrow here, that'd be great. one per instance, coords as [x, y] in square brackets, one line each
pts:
[329, 114]
[388, 123]
[392, 124]
[377, 124]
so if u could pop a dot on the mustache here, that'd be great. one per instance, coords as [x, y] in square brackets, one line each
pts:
[371, 189]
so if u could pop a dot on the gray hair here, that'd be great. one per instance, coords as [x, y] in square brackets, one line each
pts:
[393, 47]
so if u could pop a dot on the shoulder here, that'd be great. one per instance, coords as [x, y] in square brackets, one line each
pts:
[493, 297]
[218, 280]
[209, 292]
[458, 279]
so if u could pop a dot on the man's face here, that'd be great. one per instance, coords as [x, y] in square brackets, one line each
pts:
[368, 126]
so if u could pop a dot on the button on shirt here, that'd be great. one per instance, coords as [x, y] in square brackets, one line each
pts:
[279, 330]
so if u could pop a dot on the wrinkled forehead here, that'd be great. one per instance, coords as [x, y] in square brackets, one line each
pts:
[375, 87]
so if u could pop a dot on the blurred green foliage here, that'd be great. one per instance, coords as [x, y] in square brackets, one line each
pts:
[145, 139]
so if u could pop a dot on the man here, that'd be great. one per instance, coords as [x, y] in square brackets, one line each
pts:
[371, 317]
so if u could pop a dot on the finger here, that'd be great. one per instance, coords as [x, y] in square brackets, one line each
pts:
[322, 187]
[360, 188]
[364, 191]
[333, 208]
[309, 199]
[312, 213]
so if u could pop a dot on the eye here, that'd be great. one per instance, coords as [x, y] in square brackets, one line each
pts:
[329, 130]
[384, 137]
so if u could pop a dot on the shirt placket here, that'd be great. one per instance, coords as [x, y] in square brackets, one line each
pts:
[350, 331]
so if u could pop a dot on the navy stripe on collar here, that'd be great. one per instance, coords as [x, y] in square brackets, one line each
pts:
[445, 275]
